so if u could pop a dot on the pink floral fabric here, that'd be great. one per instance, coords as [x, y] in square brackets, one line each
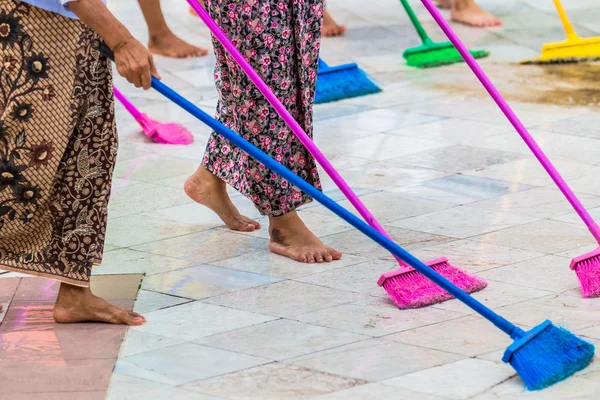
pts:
[280, 39]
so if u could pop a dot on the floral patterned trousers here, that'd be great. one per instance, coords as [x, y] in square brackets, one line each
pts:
[58, 144]
[280, 39]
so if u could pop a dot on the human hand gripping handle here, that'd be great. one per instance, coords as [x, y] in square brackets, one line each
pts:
[307, 188]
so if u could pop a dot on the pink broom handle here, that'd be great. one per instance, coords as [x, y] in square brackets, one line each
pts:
[514, 120]
[135, 113]
[289, 120]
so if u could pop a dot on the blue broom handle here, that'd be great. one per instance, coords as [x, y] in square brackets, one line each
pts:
[500, 322]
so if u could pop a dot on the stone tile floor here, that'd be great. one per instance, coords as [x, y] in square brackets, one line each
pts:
[433, 159]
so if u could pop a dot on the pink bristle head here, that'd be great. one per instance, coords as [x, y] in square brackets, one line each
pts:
[587, 268]
[172, 133]
[413, 290]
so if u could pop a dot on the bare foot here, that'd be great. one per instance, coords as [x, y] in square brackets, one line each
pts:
[330, 27]
[77, 304]
[444, 4]
[291, 238]
[169, 45]
[469, 13]
[205, 188]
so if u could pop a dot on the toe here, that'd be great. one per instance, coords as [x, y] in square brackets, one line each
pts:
[310, 258]
[136, 315]
[335, 255]
[326, 256]
[131, 319]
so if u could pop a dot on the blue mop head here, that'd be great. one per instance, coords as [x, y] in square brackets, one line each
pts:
[342, 82]
[548, 354]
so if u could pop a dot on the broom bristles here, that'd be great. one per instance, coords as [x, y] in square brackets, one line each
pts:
[550, 356]
[413, 290]
[588, 273]
[439, 56]
[343, 84]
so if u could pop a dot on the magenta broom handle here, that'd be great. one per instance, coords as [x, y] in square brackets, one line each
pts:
[135, 113]
[514, 120]
[287, 117]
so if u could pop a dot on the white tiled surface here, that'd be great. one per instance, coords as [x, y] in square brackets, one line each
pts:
[441, 168]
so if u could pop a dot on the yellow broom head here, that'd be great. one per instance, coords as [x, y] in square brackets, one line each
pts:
[570, 50]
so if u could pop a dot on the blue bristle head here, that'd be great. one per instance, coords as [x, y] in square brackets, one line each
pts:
[549, 356]
[343, 84]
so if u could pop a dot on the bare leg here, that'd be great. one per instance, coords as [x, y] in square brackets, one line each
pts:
[77, 304]
[205, 188]
[162, 41]
[291, 238]
[469, 13]
[330, 27]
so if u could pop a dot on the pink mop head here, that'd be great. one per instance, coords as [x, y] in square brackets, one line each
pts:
[168, 133]
[587, 268]
[413, 287]
[409, 289]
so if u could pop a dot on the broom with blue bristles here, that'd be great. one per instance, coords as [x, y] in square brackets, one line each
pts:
[541, 356]
[342, 82]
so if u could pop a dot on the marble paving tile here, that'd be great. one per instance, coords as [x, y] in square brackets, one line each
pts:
[148, 197]
[549, 273]
[544, 236]
[463, 222]
[184, 363]
[132, 230]
[459, 158]
[319, 224]
[442, 380]
[461, 189]
[205, 247]
[76, 375]
[529, 171]
[591, 332]
[148, 301]
[154, 167]
[140, 342]
[475, 256]
[273, 381]
[495, 295]
[581, 125]
[177, 393]
[571, 216]
[127, 387]
[468, 336]
[36, 289]
[56, 345]
[572, 312]
[528, 118]
[376, 391]
[382, 147]
[375, 360]
[386, 206]
[570, 389]
[360, 278]
[387, 175]
[197, 215]
[280, 340]
[204, 281]
[383, 119]
[87, 395]
[267, 263]
[543, 202]
[126, 261]
[195, 320]
[376, 317]
[285, 299]
[354, 242]
[452, 108]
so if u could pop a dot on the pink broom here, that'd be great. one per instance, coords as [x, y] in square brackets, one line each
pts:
[406, 287]
[168, 133]
[587, 266]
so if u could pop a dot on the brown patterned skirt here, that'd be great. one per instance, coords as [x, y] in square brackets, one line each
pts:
[58, 144]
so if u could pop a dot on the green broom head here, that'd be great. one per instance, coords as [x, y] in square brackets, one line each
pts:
[342, 82]
[547, 354]
[433, 54]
